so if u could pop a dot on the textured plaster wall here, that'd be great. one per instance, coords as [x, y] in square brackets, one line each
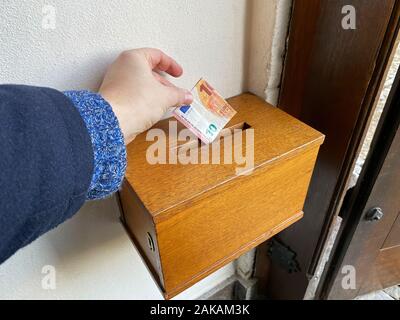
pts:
[260, 43]
[93, 259]
[206, 37]
[92, 254]
[268, 27]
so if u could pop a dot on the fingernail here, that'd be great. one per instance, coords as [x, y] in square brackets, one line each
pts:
[188, 97]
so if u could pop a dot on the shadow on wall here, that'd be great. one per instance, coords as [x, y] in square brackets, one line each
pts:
[96, 227]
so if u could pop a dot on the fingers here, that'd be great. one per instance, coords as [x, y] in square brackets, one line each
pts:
[158, 60]
[162, 80]
[178, 96]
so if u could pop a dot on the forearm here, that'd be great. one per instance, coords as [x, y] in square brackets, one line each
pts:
[46, 163]
[56, 152]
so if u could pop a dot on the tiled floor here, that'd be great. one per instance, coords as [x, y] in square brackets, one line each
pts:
[392, 293]
[224, 291]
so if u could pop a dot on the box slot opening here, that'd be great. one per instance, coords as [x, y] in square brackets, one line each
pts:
[183, 146]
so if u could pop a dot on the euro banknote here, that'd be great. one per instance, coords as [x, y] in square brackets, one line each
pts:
[207, 115]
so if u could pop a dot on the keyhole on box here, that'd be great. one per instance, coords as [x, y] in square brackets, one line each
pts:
[150, 242]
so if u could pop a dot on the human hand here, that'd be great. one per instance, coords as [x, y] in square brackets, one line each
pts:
[137, 93]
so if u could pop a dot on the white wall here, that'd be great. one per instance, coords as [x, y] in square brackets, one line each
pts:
[260, 43]
[206, 37]
[93, 259]
[93, 256]
[267, 42]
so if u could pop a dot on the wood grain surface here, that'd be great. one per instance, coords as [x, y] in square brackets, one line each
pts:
[161, 187]
[202, 217]
[233, 219]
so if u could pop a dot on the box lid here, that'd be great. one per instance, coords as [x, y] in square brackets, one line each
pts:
[162, 187]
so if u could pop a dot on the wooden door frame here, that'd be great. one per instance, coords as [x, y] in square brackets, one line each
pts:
[353, 211]
[313, 35]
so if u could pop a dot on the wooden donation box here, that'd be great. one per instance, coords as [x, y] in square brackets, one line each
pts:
[188, 220]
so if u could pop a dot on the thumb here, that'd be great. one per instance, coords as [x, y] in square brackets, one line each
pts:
[178, 96]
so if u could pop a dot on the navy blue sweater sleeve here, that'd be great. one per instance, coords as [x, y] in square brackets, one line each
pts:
[107, 141]
[46, 163]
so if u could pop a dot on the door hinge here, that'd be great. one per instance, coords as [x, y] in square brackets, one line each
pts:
[283, 256]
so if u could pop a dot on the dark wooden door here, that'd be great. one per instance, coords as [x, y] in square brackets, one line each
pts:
[330, 81]
[369, 244]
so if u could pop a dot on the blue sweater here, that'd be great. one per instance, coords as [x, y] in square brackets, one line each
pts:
[56, 151]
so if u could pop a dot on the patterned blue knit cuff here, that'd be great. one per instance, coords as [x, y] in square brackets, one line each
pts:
[107, 140]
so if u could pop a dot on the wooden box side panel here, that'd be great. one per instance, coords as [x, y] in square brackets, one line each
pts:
[138, 223]
[233, 219]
